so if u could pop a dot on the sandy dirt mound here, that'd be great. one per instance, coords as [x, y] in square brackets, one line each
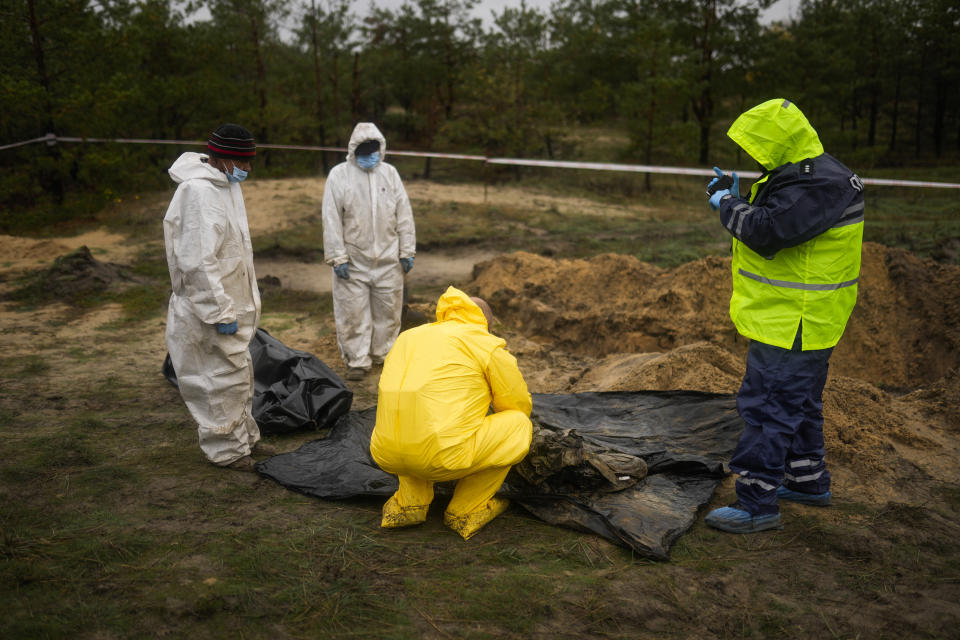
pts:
[904, 330]
[273, 205]
[902, 333]
[504, 196]
[75, 275]
[890, 448]
[700, 366]
[30, 253]
[627, 325]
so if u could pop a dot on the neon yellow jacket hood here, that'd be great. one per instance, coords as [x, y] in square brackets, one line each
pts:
[456, 305]
[774, 133]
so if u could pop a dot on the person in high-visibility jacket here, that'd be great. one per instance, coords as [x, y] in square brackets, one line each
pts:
[434, 423]
[796, 263]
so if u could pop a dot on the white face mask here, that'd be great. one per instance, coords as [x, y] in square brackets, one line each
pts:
[237, 175]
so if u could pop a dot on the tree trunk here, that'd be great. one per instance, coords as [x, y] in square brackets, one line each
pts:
[261, 83]
[939, 114]
[896, 112]
[874, 108]
[651, 115]
[918, 130]
[50, 178]
[355, 102]
[318, 79]
[335, 81]
[703, 104]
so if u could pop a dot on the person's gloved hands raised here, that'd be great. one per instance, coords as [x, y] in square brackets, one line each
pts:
[722, 186]
[227, 328]
[407, 264]
[342, 271]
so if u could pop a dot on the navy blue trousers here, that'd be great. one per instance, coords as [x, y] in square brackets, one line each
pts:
[781, 402]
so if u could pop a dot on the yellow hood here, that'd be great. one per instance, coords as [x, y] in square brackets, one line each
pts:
[456, 305]
[774, 133]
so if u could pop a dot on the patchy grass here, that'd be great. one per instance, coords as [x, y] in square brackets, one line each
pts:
[923, 221]
[114, 526]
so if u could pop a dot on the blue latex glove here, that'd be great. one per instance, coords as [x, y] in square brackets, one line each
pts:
[342, 271]
[227, 328]
[732, 190]
[407, 264]
[717, 197]
[732, 184]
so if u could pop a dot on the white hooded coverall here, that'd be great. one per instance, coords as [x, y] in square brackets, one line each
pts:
[368, 223]
[210, 259]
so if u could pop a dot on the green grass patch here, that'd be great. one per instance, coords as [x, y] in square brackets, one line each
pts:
[142, 302]
[19, 367]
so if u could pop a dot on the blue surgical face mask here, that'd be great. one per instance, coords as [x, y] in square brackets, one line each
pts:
[370, 161]
[237, 175]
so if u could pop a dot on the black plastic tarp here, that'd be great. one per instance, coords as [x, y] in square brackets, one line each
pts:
[292, 389]
[684, 437]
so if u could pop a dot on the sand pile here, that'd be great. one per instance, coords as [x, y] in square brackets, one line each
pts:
[903, 332]
[73, 276]
[615, 323]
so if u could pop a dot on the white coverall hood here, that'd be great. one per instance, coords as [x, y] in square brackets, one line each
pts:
[192, 166]
[368, 223]
[210, 259]
[361, 133]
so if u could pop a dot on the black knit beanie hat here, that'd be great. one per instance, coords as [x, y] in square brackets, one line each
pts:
[232, 141]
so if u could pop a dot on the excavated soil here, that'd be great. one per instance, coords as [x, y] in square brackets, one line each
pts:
[903, 331]
[614, 323]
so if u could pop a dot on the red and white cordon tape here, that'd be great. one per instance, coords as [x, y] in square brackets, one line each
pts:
[52, 139]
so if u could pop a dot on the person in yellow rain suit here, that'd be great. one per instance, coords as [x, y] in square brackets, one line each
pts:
[438, 383]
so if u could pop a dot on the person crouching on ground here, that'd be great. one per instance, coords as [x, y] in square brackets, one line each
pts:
[215, 303]
[437, 385]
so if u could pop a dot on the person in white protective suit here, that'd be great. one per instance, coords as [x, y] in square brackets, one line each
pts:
[215, 303]
[370, 241]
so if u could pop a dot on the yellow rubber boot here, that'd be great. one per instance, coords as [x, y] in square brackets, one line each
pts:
[469, 524]
[408, 506]
[395, 516]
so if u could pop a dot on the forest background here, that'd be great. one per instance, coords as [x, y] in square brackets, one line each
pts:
[879, 79]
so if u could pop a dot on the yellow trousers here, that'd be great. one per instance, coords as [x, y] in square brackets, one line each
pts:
[473, 504]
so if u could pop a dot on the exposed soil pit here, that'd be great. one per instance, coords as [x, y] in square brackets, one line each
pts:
[633, 326]
[902, 334]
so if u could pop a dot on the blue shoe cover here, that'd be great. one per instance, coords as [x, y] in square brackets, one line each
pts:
[815, 499]
[734, 520]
